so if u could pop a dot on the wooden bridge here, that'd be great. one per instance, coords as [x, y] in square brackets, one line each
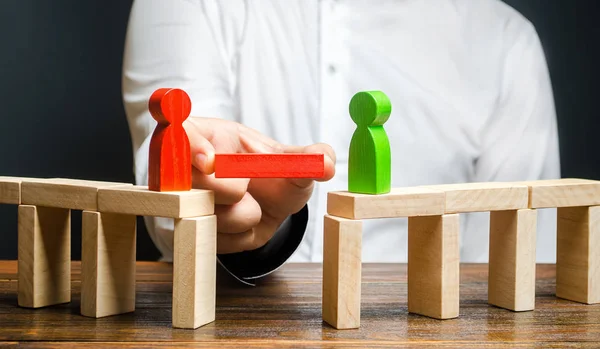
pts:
[108, 244]
[433, 244]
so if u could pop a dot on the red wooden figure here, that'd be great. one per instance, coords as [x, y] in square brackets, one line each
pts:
[170, 163]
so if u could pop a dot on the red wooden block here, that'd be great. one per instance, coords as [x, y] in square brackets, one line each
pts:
[170, 163]
[269, 165]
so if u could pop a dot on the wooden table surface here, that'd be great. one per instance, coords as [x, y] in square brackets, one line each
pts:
[285, 310]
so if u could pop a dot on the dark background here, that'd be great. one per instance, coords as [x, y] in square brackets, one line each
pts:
[62, 114]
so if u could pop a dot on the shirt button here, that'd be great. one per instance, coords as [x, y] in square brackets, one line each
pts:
[331, 69]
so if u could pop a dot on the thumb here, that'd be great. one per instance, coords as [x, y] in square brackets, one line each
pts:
[202, 152]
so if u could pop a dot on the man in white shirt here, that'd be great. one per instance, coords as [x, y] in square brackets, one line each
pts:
[470, 91]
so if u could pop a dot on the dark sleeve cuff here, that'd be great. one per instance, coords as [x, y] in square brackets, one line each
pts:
[249, 265]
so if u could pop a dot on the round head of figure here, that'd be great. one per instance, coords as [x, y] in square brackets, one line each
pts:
[370, 108]
[170, 106]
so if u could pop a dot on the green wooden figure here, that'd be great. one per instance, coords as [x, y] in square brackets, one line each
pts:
[370, 160]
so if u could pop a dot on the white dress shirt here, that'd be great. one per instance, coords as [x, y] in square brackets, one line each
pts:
[468, 82]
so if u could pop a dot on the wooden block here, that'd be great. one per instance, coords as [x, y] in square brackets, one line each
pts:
[342, 247]
[138, 200]
[370, 158]
[10, 190]
[107, 264]
[194, 271]
[578, 254]
[44, 256]
[433, 266]
[170, 162]
[399, 202]
[567, 192]
[477, 197]
[512, 259]
[269, 165]
[74, 194]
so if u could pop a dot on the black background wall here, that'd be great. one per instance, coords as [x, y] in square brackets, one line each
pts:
[62, 115]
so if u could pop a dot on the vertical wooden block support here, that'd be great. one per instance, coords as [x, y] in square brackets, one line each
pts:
[342, 248]
[578, 254]
[44, 256]
[194, 271]
[433, 266]
[107, 264]
[511, 282]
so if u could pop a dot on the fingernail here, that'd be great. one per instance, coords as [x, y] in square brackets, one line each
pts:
[200, 161]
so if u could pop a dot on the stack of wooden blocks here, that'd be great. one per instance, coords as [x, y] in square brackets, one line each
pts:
[109, 234]
[108, 245]
[433, 244]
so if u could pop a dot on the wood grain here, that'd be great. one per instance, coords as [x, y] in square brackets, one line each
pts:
[511, 282]
[399, 202]
[10, 190]
[44, 243]
[108, 264]
[479, 197]
[566, 192]
[73, 194]
[139, 201]
[194, 271]
[284, 310]
[342, 248]
[433, 266]
[578, 254]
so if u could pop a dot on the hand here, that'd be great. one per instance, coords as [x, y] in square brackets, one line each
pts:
[249, 211]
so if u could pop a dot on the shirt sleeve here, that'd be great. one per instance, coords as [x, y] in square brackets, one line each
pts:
[520, 139]
[192, 45]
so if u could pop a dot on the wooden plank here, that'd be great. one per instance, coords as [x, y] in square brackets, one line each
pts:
[479, 197]
[10, 190]
[433, 266]
[194, 271]
[578, 254]
[399, 202]
[107, 264]
[511, 282]
[138, 200]
[269, 165]
[73, 194]
[566, 192]
[342, 247]
[44, 244]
